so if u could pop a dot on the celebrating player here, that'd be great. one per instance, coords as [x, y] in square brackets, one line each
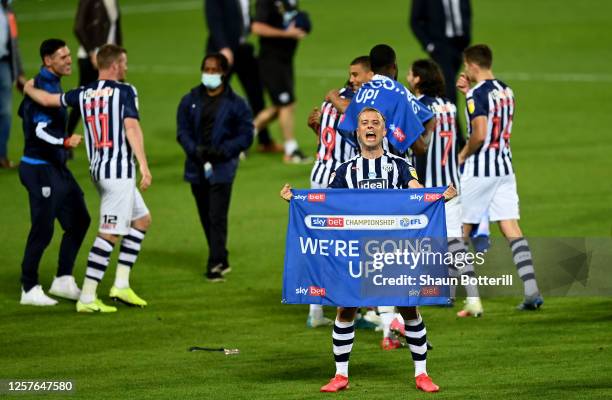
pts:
[333, 149]
[375, 164]
[488, 183]
[439, 167]
[113, 137]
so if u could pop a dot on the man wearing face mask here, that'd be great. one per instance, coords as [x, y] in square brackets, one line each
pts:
[214, 125]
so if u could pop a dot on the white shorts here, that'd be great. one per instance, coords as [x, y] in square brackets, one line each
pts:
[454, 227]
[316, 185]
[496, 195]
[120, 204]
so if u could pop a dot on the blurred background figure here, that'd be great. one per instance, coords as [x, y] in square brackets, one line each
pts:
[11, 72]
[97, 23]
[229, 25]
[443, 27]
[280, 25]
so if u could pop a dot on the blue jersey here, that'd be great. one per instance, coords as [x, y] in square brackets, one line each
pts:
[385, 172]
[333, 149]
[44, 128]
[439, 167]
[494, 100]
[403, 113]
[104, 105]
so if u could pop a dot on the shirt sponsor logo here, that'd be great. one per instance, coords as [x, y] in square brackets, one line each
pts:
[379, 183]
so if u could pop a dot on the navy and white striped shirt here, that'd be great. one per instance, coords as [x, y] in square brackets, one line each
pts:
[439, 167]
[332, 149]
[385, 172]
[494, 100]
[104, 105]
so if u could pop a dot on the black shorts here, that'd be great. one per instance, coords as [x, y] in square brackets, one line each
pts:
[277, 78]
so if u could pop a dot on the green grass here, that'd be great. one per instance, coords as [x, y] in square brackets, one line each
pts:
[562, 154]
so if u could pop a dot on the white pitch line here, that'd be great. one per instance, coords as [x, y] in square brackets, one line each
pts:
[125, 10]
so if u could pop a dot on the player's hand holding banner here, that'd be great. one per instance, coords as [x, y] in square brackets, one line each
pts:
[366, 248]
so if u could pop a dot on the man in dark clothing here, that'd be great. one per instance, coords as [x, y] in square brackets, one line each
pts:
[52, 190]
[214, 125]
[229, 25]
[443, 27]
[97, 22]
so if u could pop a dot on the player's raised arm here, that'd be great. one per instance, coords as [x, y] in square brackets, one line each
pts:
[133, 132]
[42, 97]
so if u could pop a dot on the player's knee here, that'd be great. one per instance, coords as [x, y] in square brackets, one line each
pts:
[142, 223]
[109, 237]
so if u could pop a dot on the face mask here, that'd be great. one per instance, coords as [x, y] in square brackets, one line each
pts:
[211, 81]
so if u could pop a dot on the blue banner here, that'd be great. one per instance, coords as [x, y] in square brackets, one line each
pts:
[360, 247]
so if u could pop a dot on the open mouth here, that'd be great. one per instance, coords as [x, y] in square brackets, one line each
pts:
[370, 136]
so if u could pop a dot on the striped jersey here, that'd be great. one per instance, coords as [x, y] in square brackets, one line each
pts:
[385, 172]
[494, 100]
[439, 167]
[332, 149]
[104, 105]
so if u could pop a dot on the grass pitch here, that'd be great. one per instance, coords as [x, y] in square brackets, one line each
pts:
[550, 52]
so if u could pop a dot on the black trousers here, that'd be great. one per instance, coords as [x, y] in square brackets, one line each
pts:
[87, 75]
[449, 56]
[246, 68]
[213, 202]
[53, 193]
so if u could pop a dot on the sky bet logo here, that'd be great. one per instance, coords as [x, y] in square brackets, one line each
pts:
[428, 197]
[312, 197]
[316, 197]
[337, 222]
[311, 291]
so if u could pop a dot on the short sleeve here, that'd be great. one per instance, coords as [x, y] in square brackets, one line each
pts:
[337, 178]
[130, 105]
[71, 98]
[407, 173]
[477, 104]
[263, 11]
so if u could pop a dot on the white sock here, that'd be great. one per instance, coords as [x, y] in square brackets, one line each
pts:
[290, 146]
[387, 318]
[316, 311]
[88, 293]
[420, 367]
[122, 277]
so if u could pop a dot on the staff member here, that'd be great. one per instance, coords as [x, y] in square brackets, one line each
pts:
[213, 126]
[52, 190]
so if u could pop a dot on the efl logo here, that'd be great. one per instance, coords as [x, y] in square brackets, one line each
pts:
[399, 134]
[432, 196]
[316, 197]
[316, 291]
